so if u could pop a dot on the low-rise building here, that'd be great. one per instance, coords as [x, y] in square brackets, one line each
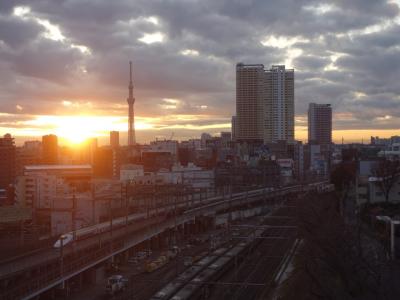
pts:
[130, 172]
[59, 195]
[192, 175]
[391, 151]
[376, 194]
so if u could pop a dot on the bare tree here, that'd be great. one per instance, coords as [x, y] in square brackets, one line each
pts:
[387, 173]
[335, 260]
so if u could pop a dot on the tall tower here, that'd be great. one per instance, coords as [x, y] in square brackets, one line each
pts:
[279, 109]
[131, 101]
[264, 103]
[250, 99]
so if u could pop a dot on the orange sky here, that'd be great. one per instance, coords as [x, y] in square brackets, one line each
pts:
[63, 72]
[75, 129]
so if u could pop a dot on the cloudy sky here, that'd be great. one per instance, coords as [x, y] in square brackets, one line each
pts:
[64, 64]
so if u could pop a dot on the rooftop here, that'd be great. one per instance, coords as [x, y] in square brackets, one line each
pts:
[56, 167]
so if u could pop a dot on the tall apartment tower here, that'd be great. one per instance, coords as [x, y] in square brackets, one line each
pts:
[264, 103]
[279, 112]
[320, 124]
[49, 149]
[7, 161]
[250, 102]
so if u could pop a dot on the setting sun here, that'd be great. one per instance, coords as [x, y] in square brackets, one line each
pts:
[77, 129]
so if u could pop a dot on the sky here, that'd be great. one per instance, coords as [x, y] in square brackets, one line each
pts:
[64, 64]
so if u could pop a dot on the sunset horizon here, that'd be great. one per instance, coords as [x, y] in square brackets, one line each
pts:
[199, 149]
[60, 73]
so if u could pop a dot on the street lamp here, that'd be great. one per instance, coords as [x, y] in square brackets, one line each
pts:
[392, 222]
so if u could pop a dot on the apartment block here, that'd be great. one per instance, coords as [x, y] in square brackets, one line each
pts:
[264, 104]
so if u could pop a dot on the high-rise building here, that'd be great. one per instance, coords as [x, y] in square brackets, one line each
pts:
[131, 115]
[49, 149]
[264, 104]
[250, 102]
[279, 110]
[320, 124]
[114, 139]
[7, 161]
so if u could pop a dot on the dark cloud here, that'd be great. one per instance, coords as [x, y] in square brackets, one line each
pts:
[15, 32]
[311, 62]
[347, 55]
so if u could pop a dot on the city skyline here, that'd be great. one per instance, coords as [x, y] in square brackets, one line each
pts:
[59, 77]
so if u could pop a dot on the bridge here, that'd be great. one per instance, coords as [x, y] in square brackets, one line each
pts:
[29, 276]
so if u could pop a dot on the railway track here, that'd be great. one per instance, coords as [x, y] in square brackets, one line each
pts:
[255, 276]
[247, 269]
[251, 242]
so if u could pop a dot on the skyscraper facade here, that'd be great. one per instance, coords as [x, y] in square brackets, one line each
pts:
[49, 149]
[264, 103]
[250, 102]
[279, 111]
[319, 124]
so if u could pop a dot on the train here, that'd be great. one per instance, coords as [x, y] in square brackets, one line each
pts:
[92, 230]
[178, 208]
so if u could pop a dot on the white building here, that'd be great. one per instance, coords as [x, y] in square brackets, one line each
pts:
[279, 115]
[392, 150]
[192, 175]
[164, 146]
[130, 172]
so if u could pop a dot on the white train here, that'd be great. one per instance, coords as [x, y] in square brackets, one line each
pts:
[121, 221]
[89, 231]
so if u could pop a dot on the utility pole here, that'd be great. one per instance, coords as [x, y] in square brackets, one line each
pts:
[175, 223]
[74, 216]
[93, 203]
[62, 259]
[126, 203]
[111, 225]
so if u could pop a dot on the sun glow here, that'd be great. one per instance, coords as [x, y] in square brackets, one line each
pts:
[77, 129]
